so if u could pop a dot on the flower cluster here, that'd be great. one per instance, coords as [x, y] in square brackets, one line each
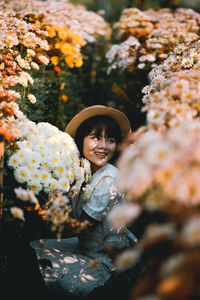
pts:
[58, 210]
[160, 172]
[173, 93]
[148, 37]
[47, 159]
[69, 27]
[170, 252]
[22, 47]
[163, 167]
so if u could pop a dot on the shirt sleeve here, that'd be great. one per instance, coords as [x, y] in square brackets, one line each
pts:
[103, 197]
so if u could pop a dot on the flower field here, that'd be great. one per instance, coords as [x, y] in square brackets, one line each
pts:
[56, 58]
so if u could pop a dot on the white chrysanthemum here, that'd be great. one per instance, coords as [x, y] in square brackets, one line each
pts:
[21, 194]
[22, 174]
[35, 65]
[43, 59]
[61, 201]
[35, 186]
[23, 81]
[53, 184]
[31, 52]
[64, 184]
[45, 176]
[14, 161]
[67, 159]
[47, 129]
[35, 159]
[68, 175]
[17, 212]
[59, 171]
[40, 147]
[36, 174]
[54, 161]
[25, 195]
[59, 218]
[32, 98]
[78, 171]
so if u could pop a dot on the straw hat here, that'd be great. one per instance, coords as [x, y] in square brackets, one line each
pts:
[96, 110]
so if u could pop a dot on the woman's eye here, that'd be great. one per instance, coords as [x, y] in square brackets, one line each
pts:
[111, 140]
[95, 137]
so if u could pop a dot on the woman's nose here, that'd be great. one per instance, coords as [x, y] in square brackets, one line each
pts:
[102, 143]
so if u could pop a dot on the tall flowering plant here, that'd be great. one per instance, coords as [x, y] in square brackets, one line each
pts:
[69, 27]
[22, 49]
[147, 37]
[163, 166]
[160, 173]
[72, 33]
[173, 93]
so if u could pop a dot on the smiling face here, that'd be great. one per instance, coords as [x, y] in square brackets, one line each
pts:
[98, 149]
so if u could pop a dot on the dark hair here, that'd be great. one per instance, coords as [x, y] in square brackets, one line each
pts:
[97, 123]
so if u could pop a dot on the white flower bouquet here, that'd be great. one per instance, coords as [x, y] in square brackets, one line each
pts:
[47, 159]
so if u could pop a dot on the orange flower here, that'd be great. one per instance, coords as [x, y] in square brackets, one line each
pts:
[9, 136]
[57, 70]
[64, 98]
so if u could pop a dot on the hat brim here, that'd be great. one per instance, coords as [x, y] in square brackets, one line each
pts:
[96, 110]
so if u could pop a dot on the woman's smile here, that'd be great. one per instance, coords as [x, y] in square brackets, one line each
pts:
[98, 149]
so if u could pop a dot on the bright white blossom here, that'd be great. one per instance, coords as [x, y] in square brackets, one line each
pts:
[41, 161]
[32, 98]
[17, 212]
[25, 195]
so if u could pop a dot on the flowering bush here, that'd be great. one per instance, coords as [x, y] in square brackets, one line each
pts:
[21, 44]
[160, 167]
[173, 93]
[69, 27]
[148, 37]
[160, 173]
[70, 31]
[23, 47]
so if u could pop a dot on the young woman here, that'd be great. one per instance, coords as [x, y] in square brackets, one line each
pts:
[97, 131]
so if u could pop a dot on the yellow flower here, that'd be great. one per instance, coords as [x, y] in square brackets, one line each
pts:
[54, 60]
[78, 40]
[70, 61]
[62, 86]
[51, 32]
[78, 62]
[67, 49]
[63, 33]
[58, 45]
